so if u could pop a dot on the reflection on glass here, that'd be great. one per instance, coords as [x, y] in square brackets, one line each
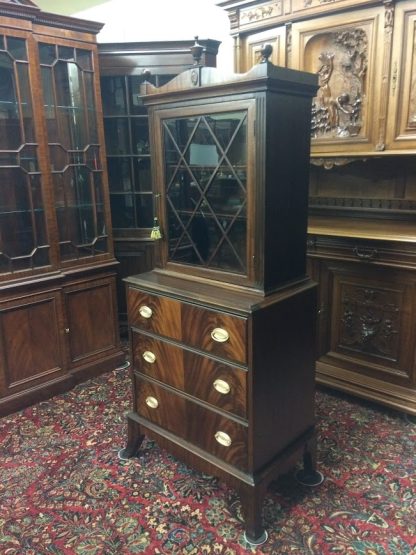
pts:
[117, 136]
[23, 240]
[131, 210]
[113, 92]
[69, 101]
[205, 174]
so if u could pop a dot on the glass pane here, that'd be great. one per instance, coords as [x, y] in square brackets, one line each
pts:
[29, 159]
[117, 136]
[144, 210]
[206, 190]
[66, 53]
[122, 211]
[17, 48]
[47, 53]
[135, 102]
[119, 174]
[142, 175]
[99, 205]
[26, 102]
[84, 58]
[71, 112]
[1, 42]
[10, 134]
[140, 135]
[92, 158]
[90, 102]
[113, 92]
[59, 158]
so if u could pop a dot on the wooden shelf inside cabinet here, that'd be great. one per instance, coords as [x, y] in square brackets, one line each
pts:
[229, 301]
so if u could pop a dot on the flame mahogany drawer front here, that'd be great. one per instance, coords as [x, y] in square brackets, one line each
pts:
[222, 437]
[214, 332]
[217, 383]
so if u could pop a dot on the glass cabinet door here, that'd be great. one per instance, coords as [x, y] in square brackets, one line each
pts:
[23, 239]
[70, 112]
[128, 153]
[206, 190]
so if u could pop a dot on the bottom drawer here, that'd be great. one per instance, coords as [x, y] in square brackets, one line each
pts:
[220, 436]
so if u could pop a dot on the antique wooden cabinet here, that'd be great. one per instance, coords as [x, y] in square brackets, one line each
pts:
[57, 269]
[362, 186]
[123, 67]
[222, 331]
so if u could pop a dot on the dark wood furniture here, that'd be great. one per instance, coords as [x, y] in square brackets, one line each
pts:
[361, 245]
[222, 332]
[57, 269]
[123, 67]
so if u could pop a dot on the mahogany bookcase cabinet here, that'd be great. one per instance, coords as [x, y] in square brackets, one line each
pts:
[58, 309]
[222, 331]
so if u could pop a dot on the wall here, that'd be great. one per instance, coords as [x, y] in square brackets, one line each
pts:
[147, 20]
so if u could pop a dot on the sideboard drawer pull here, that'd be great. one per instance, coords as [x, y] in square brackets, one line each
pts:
[149, 357]
[220, 335]
[222, 386]
[152, 402]
[365, 255]
[145, 311]
[223, 439]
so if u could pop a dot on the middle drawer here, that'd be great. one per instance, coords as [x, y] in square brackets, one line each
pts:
[219, 384]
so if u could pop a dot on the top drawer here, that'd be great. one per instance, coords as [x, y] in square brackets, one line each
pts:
[214, 332]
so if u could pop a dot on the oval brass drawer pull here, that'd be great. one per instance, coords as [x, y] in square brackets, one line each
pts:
[149, 357]
[220, 335]
[222, 386]
[152, 402]
[145, 311]
[223, 439]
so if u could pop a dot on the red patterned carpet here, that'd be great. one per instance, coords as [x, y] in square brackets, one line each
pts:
[64, 491]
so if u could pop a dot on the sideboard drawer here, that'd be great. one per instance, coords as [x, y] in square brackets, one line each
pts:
[217, 383]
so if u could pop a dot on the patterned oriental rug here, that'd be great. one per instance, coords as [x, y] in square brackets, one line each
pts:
[64, 491]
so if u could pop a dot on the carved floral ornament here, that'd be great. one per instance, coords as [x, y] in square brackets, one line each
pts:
[342, 60]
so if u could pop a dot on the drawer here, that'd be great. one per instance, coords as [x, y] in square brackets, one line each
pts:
[218, 435]
[363, 250]
[217, 383]
[214, 332]
[159, 315]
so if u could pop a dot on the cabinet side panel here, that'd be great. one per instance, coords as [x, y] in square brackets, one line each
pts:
[283, 374]
[287, 158]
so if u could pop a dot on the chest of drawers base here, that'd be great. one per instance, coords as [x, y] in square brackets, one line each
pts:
[224, 381]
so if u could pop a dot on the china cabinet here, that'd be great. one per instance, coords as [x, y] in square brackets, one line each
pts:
[362, 180]
[57, 269]
[222, 330]
[123, 67]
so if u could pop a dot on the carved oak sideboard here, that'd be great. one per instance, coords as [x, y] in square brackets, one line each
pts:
[362, 195]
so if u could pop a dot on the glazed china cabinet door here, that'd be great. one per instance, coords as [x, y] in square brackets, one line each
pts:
[346, 53]
[74, 148]
[401, 123]
[254, 43]
[24, 244]
[205, 171]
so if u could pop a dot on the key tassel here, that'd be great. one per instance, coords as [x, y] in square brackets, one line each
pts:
[155, 233]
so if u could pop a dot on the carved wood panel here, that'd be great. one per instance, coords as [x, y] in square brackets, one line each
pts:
[347, 54]
[401, 124]
[372, 321]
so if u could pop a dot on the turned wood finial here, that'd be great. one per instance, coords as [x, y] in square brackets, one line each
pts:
[196, 51]
[146, 73]
[266, 52]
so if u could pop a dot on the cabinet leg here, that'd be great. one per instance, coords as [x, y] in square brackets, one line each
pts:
[309, 476]
[134, 440]
[252, 504]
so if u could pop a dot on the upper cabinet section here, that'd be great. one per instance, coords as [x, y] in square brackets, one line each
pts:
[345, 53]
[364, 56]
[232, 209]
[401, 128]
